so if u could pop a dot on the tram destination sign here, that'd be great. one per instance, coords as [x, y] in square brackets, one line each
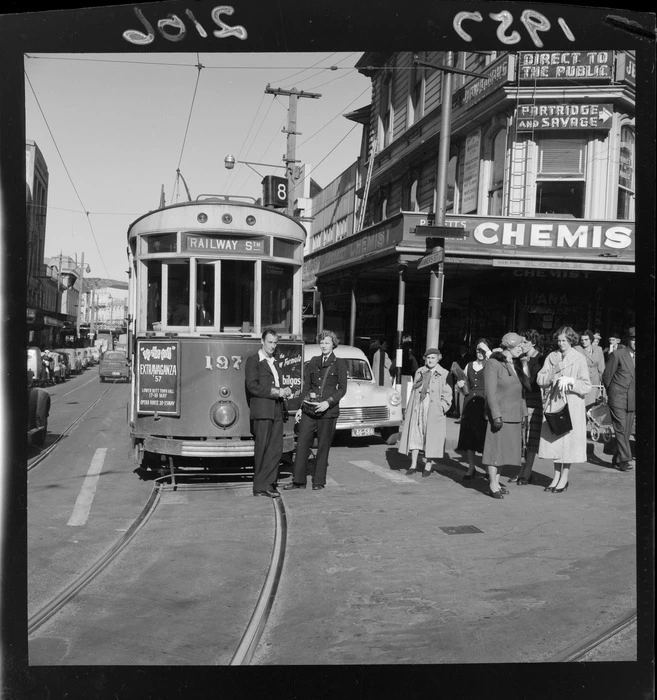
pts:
[158, 378]
[564, 116]
[222, 244]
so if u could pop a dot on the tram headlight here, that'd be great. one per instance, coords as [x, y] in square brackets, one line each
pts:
[224, 414]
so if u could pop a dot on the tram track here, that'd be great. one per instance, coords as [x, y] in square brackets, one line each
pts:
[43, 454]
[250, 637]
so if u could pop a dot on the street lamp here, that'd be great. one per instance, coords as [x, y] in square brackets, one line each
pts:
[229, 163]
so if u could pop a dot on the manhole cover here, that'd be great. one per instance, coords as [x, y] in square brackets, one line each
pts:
[461, 530]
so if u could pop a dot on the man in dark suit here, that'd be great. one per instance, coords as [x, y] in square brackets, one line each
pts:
[618, 379]
[266, 394]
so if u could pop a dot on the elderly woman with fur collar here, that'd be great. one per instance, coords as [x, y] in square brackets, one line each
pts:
[425, 425]
[503, 388]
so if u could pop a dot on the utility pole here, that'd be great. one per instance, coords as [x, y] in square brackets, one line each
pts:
[438, 229]
[290, 158]
[80, 297]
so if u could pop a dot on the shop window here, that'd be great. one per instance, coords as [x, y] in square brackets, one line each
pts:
[496, 184]
[625, 208]
[411, 193]
[560, 182]
[416, 92]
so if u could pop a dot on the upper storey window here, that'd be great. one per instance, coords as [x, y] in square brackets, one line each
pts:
[560, 184]
[385, 110]
[416, 92]
[626, 175]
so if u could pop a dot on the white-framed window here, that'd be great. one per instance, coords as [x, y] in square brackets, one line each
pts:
[386, 114]
[451, 192]
[625, 209]
[417, 87]
[561, 177]
[496, 182]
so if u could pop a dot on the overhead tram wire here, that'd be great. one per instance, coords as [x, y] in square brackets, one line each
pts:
[199, 66]
[75, 189]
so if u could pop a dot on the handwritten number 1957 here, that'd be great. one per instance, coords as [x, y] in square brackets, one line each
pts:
[174, 29]
[534, 22]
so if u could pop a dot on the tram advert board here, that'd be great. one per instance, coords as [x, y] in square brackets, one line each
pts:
[158, 377]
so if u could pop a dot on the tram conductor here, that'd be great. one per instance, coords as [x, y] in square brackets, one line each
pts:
[266, 396]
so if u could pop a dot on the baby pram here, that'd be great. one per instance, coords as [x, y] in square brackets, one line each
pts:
[598, 418]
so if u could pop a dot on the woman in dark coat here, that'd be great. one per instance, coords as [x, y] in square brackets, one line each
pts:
[532, 363]
[472, 432]
[503, 389]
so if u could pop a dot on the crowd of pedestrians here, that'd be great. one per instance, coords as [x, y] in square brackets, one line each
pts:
[519, 401]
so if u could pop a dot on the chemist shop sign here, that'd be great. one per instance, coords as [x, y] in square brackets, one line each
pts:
[158, 377]
[544, 238]
[563, 116]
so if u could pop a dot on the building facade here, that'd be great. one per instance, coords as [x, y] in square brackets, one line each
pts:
[539, 189]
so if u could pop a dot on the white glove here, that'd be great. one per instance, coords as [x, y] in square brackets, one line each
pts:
[565, 383]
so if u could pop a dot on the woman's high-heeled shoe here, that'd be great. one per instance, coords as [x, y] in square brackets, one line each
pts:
[470, 475]
[561, 490]
[495, 494]
[549, 488]
[503, 490]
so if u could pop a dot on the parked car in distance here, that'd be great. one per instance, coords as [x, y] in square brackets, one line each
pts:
[95, 354]
[114, 365]
[38, 402]
[65, 361]
[57, 366]
[34, 364]
[74, 361]
[84, 357]
[366, 407]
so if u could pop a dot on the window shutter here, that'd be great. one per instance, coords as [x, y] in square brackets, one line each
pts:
[562, 156]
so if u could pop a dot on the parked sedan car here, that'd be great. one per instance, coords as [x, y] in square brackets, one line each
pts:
[73, 360]
[114, 365]
[38, 402]
[366, 407]
[84, 357]
[65, 361]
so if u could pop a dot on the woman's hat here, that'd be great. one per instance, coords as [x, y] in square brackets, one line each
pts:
[431, 351]
[511, 340]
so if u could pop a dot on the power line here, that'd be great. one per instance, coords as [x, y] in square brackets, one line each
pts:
[77, 194]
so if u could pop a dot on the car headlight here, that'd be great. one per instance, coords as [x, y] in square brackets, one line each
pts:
[394, 398]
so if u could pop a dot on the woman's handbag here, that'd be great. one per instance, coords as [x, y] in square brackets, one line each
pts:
[559, 421]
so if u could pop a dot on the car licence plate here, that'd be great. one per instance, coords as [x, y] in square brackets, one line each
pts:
[116, 374]
[361, 432]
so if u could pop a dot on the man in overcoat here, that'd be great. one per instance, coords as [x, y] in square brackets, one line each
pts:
[265, 395]
[619, 381]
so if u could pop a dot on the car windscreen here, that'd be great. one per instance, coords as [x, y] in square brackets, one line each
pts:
[357, 369]
[114, 356]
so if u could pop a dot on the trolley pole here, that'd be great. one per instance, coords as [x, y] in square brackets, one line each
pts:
[291, 166]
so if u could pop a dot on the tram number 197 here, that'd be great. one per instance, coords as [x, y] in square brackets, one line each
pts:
[222, 362]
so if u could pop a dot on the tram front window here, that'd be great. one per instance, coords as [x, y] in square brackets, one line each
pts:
[277, 297]
[237, 295]
[178, 295]
[205, 295]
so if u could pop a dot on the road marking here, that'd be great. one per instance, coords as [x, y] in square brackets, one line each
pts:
[385, 472]
[88, 490]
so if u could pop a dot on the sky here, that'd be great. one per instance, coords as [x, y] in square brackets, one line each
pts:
[114, 128]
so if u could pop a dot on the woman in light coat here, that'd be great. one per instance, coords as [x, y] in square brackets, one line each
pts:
[425, 425]
[564, 379]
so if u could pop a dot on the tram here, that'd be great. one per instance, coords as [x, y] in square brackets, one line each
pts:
[237, 266]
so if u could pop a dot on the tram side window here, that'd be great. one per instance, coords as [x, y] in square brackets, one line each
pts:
[277, 297]
[178, 295]
[154, 295]
[237, 295]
